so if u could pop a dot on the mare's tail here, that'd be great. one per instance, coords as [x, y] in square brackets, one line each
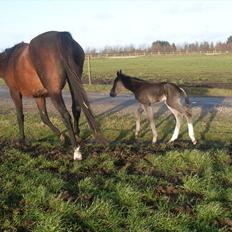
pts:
[73, 56]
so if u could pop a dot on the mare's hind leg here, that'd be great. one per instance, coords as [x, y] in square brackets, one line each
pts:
[150, 115]
[76, 110]
[138, 113]
[60, 106]
[41, 104]
[178, 118]
[17, 99]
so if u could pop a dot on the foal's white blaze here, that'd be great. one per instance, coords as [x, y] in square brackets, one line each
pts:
[77, 154]
[191, 133]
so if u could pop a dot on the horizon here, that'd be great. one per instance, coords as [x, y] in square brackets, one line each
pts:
[97, 24]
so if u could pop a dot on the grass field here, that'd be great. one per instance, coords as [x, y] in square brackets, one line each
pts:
[126, 186]
[182, 69]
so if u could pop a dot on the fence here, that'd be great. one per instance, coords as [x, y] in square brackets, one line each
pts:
[146, 53]
[141, 54]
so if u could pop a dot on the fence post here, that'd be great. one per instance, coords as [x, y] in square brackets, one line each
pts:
[89, 70]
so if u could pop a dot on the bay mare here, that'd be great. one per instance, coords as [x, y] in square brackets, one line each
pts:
[40, 69]
[147, 93]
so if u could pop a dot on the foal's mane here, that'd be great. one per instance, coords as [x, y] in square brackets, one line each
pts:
[127, 78]
[9, 52]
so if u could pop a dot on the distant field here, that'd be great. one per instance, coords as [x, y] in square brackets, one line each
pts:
[182, 69]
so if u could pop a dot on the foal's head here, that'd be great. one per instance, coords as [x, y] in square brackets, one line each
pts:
[117, 86]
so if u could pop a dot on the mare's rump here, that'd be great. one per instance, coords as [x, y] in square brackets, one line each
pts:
[47, 53]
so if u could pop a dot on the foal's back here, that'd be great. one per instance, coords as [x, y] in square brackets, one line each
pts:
[149, 92]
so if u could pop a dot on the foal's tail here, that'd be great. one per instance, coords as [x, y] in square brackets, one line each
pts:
[73, 56]
[174, 94]
[186, 97]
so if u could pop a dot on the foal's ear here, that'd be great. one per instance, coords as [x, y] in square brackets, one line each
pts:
[119, 72]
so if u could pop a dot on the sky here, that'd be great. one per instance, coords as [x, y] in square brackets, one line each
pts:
[100, 23]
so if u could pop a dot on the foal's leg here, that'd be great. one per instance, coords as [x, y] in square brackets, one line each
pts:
[178, 118]
[183, 110]
[149, 113]
[138, 113]
[188, 117]
[58, 102]
[41, 104]
[17, 99]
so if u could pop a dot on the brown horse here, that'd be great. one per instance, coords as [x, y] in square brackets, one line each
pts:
[40, 69]
[147, 93]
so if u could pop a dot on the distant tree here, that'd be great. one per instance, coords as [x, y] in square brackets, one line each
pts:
[204, 46]
[229, 40]
[162, 46]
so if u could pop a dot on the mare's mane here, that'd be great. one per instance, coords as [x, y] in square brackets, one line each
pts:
[9, 52]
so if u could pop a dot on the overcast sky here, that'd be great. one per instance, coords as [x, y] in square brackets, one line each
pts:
[97, 23]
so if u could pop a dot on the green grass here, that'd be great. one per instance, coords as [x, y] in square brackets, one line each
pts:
[126, 186]
[182, 69]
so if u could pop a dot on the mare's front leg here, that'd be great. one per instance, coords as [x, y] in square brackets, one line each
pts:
[17, 99]
[150, 115]
[138, 113]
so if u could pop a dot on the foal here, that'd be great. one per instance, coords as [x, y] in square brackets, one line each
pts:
[147, 93]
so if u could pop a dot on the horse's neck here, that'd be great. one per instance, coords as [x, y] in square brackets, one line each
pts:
[130, 84]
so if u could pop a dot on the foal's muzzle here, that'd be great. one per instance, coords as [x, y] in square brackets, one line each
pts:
[112, 94]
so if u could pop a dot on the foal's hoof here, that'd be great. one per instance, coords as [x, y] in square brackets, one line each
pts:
[154, 140]
[194, 142]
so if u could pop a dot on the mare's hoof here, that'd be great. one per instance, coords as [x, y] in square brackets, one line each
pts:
[77, 154]
[62, 138]
[21, 143]
[78, 138]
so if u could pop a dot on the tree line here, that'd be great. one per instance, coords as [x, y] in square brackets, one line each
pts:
[161, 46]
